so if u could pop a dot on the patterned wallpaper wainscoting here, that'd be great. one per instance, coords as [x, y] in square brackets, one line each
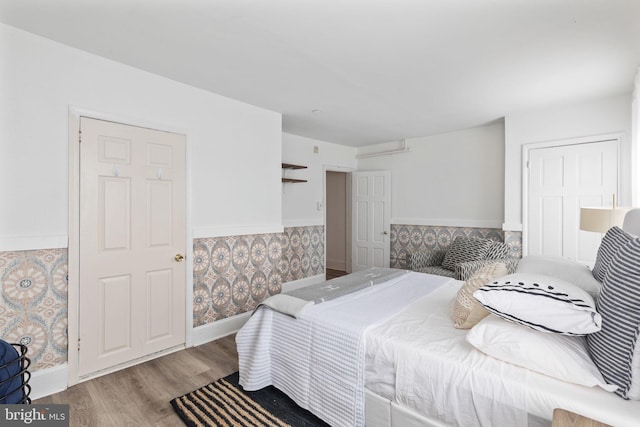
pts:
[302, 252]
[233, 274]
[406, 239]
[33, 304]
[513, 239]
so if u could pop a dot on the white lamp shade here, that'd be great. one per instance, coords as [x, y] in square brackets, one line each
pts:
[601, 219]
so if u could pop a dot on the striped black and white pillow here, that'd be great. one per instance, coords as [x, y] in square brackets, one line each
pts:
[612, 241]
[613, 348]
[542, 303]
[465, 249]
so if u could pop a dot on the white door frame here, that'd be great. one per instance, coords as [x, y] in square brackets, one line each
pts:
[526, 152]
[73, 295]
[349, 207]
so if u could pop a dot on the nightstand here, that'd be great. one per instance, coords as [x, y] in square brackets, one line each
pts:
[564, 418]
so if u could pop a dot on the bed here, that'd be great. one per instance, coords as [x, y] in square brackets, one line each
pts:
[385, 353]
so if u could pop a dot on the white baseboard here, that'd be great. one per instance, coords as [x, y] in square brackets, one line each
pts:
[219, 329]
[48, 381]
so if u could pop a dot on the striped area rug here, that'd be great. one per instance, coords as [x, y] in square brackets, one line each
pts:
[223, 403]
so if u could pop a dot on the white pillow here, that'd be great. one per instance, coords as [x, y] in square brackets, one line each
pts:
[561, 268]
[543, 303]
[558, 356]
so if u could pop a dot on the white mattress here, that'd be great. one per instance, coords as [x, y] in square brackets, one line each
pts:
[420, 361]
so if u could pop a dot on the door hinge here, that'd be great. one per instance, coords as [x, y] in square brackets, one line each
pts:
[79, 136]
[78, 344]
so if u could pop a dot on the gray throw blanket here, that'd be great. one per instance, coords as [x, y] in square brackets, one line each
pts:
[293, 302]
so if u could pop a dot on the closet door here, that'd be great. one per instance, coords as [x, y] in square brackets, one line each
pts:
[132, 242]
[563, 179]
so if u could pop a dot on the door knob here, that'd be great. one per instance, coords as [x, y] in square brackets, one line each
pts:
[179, 257]
[385, 232]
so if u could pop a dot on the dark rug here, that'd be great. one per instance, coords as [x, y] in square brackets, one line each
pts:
[223, 403]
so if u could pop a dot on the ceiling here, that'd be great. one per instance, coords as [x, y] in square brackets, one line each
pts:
[372, 70]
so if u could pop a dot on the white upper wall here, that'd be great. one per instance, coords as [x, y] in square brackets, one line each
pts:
[452, 179]
[300, 200]
[605, 116]
[635, 141]
[234, 148]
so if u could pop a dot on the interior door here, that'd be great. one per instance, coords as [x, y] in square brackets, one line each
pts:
[132, 238]
[371, 216]
[563, 179]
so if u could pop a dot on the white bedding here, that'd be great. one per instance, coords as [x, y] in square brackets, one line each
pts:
[437, 373]
[318, 358]
[459, 378]
[415, 358]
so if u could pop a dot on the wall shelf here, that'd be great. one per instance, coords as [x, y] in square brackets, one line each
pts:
[292, 166]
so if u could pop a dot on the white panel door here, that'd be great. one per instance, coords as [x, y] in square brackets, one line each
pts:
[562, 180]
[132, 226]
[371, 199]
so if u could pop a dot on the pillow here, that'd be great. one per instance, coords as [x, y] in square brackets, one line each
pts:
[615, 347]
[467, 311]
[541, 302]
[558, 356]
[497, 250]
[612, 241]
[465, 249]
[634, 388]
[561, 268]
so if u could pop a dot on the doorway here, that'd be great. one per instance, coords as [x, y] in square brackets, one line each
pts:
[338, 224]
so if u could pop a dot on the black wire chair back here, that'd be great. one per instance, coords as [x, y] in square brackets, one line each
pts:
[19, 390]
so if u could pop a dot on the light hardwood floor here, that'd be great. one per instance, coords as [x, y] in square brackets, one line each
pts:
[140, 395]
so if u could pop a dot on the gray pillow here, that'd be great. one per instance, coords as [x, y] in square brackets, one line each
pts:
[561, 268]
[612, 241]
[465, 249]
[612, 349]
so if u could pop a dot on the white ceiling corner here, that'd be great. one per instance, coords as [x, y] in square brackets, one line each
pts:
[377, 70]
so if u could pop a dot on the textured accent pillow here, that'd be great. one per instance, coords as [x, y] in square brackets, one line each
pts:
[613, 348]
[612, 241]
[561, 268]
[543, 303]
[498, 250]
[467, 311]
[464, 249]
[558, 356]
